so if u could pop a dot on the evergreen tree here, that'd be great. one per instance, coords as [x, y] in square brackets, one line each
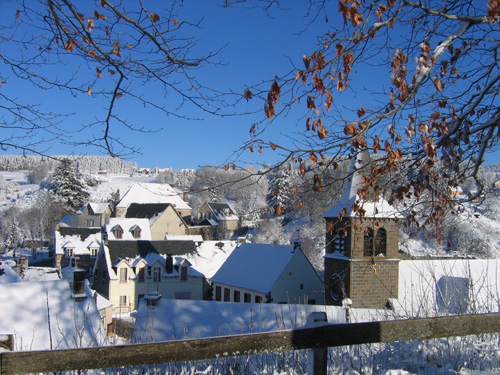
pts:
[280, 194]
[14, 236]
[69, 186]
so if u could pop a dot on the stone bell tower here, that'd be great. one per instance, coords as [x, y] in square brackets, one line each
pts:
[361, 261]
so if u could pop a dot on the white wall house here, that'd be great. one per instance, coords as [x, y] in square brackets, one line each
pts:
[267, 273]
[127, 270]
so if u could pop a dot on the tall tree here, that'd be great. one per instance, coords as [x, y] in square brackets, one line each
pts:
[69, 186]
[280, 196]
[416, 83]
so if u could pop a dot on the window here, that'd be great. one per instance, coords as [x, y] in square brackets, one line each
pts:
[217, 293]
[380, 242]
[141, 275]
[68, 251]
[247, 298]
[227, 295]
[339, 241]
[94, 251]
[137, 232]
[258, 299]
[368, 243]
[184, 273]
[118, 232]
[123, 275]
[157, 274]
[182, 295]
[90, 222]
[301, 286]
[236, 296]
[123, 300]
[150, 274]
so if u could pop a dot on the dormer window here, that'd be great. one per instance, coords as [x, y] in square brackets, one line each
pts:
[68, 251]
[136, 232]
[93, 251]
[118, 232]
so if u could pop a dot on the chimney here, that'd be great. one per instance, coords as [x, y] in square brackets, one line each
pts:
[297, 244]
[170, 264]
[78, 280]
[185, 195]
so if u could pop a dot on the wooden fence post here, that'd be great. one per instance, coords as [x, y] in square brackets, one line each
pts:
[317, 358]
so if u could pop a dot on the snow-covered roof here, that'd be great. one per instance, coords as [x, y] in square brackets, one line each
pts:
[128, 226]
[376, 208]
[7, 274]
[181, 319]
[43, 316]
[96, 207]
[222, 211]
[80, 246]
[255, 266]
[41, 274]
[182, 237]
[152, 193]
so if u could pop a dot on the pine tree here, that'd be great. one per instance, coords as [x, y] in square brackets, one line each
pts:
[280, 194]
[69, 186]
[14, 236]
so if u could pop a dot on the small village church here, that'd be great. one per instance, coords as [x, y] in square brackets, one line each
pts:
[361, 259]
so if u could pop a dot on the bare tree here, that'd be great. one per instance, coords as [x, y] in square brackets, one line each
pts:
[415, 83]
[111, 52]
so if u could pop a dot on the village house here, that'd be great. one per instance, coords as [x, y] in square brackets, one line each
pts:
[267, 273]
[163, 219]
[154, 193]
[91, 215]
[219, 217]
[76, 241]
[127, 270]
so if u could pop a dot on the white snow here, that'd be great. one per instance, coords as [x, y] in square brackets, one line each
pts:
[42, 316]
[152, 193]
[269, 260]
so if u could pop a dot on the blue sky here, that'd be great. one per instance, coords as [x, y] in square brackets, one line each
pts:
[256, 47]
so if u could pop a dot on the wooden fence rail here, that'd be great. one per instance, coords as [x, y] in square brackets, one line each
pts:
[190, 350]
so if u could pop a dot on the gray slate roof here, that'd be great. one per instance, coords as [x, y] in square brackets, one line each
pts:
[145, 210]
[131, 249]
[82, 232]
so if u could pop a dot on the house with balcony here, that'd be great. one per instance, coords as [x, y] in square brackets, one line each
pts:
[128, 270]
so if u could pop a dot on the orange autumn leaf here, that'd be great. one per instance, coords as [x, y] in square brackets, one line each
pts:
[155, 17]
[250, 148]
[98, 72]
[17, 14]
[294, 191]
[361, 112]
[260, 149]
[299, 206]
[302, 169]
[273, 146]
[322, 133]
[226, 167]
[112, 72]
[118, 95]
[176, 21]
[69, 45]
[89, 91]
